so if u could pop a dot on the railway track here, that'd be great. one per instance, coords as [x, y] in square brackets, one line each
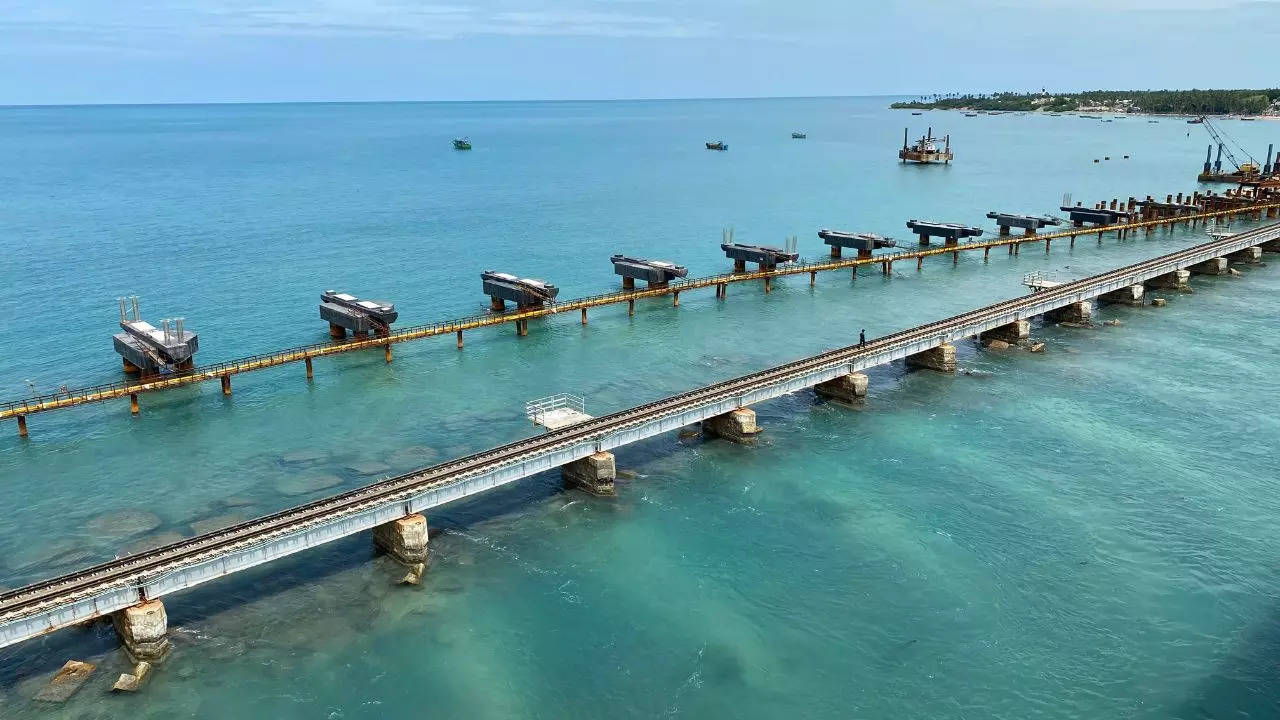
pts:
[136, 569]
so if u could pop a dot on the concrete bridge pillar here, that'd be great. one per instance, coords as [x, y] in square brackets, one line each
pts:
[1132, 295]
[1248, 255]
[1076, 312]
[941, 358]
[594, 473]
[1013, 333]
[144, 630]
[737, 425]
[1212, 266]
[849, 388]
[1176, 280]
[404, 539]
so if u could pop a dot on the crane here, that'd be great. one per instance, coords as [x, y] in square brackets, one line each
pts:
[1248, 168]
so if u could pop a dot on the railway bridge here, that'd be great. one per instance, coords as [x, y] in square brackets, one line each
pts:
[130, 588]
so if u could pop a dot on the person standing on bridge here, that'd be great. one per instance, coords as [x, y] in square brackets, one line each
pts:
[862, 337]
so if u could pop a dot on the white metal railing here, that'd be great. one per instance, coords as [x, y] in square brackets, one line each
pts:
[536, 410]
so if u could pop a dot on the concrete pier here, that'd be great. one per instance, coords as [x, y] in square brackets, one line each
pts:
[941, 358]
[144, 630]
[594, 473]
[1212, 266]
[1247, 256]
[737, 425]
[849, 388]
[1176, 280]
[1076, 312]
[1013, 333]
[1131, 295]
[404, 539]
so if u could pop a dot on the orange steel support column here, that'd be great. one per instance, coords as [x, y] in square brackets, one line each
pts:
[22, 426]
[584, 316]
[386, 351]
[226, 384]
[459, 339]
[986, 253]
[675, 299]
[813, 276]
[631, 307]
[920, 262]
[955, 257]
[767, 286]
[310, 372]
[133, 403]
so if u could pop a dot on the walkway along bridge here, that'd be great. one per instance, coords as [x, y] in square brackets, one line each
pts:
[223, 371]
[392, 507]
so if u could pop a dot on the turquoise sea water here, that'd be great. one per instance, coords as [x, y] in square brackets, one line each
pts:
[1085, 533]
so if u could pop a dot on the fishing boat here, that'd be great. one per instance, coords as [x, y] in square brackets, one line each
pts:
[971, 114]
[718, 145]
[798, 136]
[1195, 121]
[917, 113]
[462, 143]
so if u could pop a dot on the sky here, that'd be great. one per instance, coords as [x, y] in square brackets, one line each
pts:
[150, 51]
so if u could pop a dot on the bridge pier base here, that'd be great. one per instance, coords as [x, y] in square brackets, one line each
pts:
[1212, 266]
[737, 425]
[404, 539]
[1013, 333]
[594, 473]
[1176, 280]
[1131, 295]
[1247, 256]
[22, 426]
[1076, 312]
[941, 358]
[144, 630]
[849, 388]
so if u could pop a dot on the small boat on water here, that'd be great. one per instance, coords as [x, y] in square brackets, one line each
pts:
[971, 114]
[917, 113]
[1153, 121]
[718, 145]
[798, 136]
[462, 143]
[1195, 121]
[1247, 119]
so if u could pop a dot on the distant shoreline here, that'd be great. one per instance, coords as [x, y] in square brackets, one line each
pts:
[1246, 103]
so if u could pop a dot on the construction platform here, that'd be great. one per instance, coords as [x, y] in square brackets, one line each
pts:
[346, 312]
[925, 151]
[1029, 223]
[656, 273]
[524, 292]
[864, 243]
[148, 350]
[557, 411]
[950, 232]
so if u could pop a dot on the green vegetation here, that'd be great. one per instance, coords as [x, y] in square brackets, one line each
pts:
[1183, 102]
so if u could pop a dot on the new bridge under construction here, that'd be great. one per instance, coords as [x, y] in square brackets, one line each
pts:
[130, 589]
[1121, 218]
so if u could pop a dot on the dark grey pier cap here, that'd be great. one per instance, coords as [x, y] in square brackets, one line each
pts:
[652, 271]
[864, 242]
[951, 231]
[1027, 222]
[763, 254]
[521, 291]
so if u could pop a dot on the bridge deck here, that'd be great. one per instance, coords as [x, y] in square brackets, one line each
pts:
[95, 591]
[101, 393]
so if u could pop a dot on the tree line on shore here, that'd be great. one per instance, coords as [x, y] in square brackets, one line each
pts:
[1184, 102]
